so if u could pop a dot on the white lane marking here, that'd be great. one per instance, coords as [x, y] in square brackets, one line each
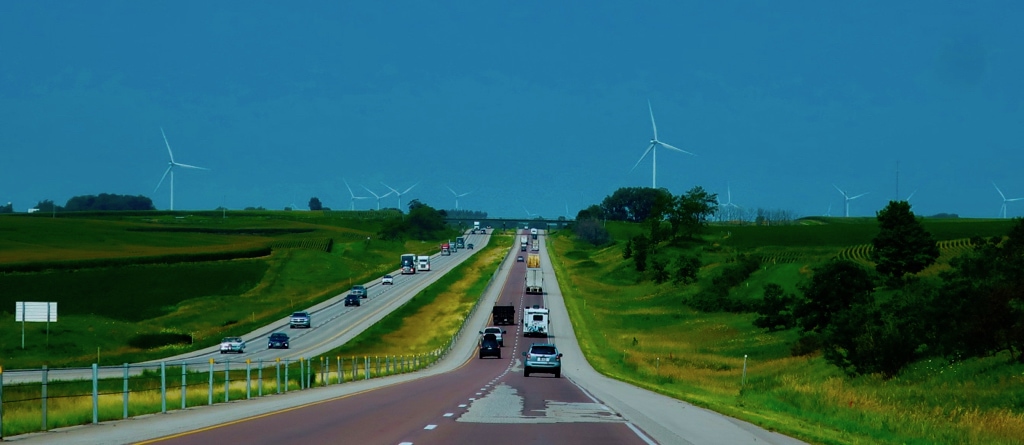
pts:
[449, 414]
[462, 405]
[430, 427]
[641, 434]
[405, 443]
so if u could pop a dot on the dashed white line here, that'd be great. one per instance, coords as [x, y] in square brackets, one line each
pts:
[430, 427]
[449, 414]
[462, 405]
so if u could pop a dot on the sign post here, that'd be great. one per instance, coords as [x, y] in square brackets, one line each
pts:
[32, 311]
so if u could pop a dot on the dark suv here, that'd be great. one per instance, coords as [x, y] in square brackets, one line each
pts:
[489, 346]
[543, 357]
[352, 300]
[359, 290]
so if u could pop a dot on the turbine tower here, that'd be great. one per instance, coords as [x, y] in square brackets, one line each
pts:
[1002, 210]
[653, 150]
[170, 168]
[457, 196]
[353, 195]
[400, 194]
[847, 198]
[377, 196]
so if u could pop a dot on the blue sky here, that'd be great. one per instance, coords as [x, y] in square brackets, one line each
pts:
[541, 105]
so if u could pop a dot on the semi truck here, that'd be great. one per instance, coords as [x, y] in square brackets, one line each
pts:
[446, 249]
[533, 233]
[476, 226]
[534, 275]
[503, 315]
[535, 245]
[460, 243]
[408, 264]
[522, 241]
[535, 322]
[422, 263]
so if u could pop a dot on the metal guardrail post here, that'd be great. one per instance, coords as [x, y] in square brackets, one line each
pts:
[354, 367]
[46, 375]
[286, 376]
[259, 378]
[227, 381]
[277, 374]
[163, 387]
[124, 393]
[366, 368]
[341, 372]
[184, 378]
[248, 378]
[324, 373]
[95, 394]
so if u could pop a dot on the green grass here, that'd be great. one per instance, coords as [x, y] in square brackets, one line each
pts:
[640, 333]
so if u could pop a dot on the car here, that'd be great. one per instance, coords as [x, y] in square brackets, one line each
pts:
[301, 319]
[232, 344]
[469, 246]
[522, 248]
[519, 259]
[277, 340]
[489, 346]
[387, 279]
[358, 289]
[352, 300]
[496, 331]
[543, 357]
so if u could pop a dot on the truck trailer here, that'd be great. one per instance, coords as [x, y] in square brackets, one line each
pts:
[535, 322]
[534, 275]
[503, 315]
[408, 263]
[446, 249]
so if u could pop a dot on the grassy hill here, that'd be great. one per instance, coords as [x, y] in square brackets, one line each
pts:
[640, 332]
[135, 286]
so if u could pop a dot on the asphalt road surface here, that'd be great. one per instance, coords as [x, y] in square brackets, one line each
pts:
[462, 399]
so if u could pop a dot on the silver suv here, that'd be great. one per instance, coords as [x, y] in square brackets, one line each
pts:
[300, 320]
[543, 357]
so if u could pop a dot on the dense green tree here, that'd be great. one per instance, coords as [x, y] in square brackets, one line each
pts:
[641, 250]
[107, 201]
[9, 208]
[659, 272]
[686, 268]
[315, 204]
[690, 212]
[422, 223]
[627, 252]
[591, 231]
[775, 311]
[835, 287]
[592, 212]
[635, 204]
[902, 246]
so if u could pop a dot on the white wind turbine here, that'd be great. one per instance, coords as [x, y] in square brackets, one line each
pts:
[528, 214]
[457, 196]
[170, 168]
[1002, 210]
[400, 194]
[653, 150]
[847, 198]
[377, 196]
[829, 211]
[353, 195]
[911, 196]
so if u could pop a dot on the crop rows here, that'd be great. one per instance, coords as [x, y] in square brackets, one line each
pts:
[947, 249]
[319, 244]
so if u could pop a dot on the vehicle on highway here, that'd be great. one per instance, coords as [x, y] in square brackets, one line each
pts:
[519, 259]
[352, 300]
[232, 344]
[277, 340]
[469, 246]
[387, 279]
[301, 319]
[543, 357]
[489, 346]
[522, 248]
[359, 290]
[496, 331]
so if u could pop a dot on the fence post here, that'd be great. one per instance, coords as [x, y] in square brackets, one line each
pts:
[1, 403]
[46, 375]
[210, 392]
[302, 373]
[95, 393]
[248, 378]
[227, 381]
[163, 387]
[286, 376]
[366, 368]
[743, 379]
[124, 402]
[354, 368]
[277, 374]
[183, 379]
[323, 373]
[341, 372]
[259, 378]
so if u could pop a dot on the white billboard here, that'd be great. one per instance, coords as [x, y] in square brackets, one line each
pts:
[35, 311]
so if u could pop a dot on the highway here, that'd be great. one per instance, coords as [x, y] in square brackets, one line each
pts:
[462, 399]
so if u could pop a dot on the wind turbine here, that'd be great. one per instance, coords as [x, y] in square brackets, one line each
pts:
[829, 211]
[353, 195]
[377, 196]
[170, 168]
[1002, 210]
[528, 214]
[911, 196]
[653, 150]
[728, 203]
[400, 194]
[457, 196]
[847, 198]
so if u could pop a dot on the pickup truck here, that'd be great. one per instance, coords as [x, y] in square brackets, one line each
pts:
[496, 331]
[300, 320]
[232, 344]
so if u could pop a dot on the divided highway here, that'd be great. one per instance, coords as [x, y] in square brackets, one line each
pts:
[462, 399]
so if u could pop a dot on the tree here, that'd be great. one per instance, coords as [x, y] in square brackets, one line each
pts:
[314, 204]
[903, 245]
[641, 248]
[9, 208]
[835, 287]
[107, 201]
[687, 268]
[660, 274]
[775, 311]
[691, 211]
[591, 231]
[627, 252]
[634, 204]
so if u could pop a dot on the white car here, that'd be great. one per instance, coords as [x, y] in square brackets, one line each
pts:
[497, 334]
[232, 344]
[387, 279]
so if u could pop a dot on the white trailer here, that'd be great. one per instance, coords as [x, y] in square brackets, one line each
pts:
[535, 322]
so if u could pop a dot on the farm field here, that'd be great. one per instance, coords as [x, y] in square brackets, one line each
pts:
[137, 287]
[639, 332]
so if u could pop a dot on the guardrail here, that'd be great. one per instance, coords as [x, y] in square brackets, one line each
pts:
[61, 398]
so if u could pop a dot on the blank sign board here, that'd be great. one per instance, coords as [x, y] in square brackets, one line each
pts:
[35, 311]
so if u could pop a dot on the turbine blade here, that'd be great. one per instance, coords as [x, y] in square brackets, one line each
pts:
[840, 190]
[911, 195]
[674, 148]
[653, 126]
[169, 167]
[350, 188]
[649, 147]
[1001, 195]
[364, 187]
[1014, 199]
[189, 166]
[858, 196]
[410, 188]
[168, 144]
[389, 187]
[453, 191]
